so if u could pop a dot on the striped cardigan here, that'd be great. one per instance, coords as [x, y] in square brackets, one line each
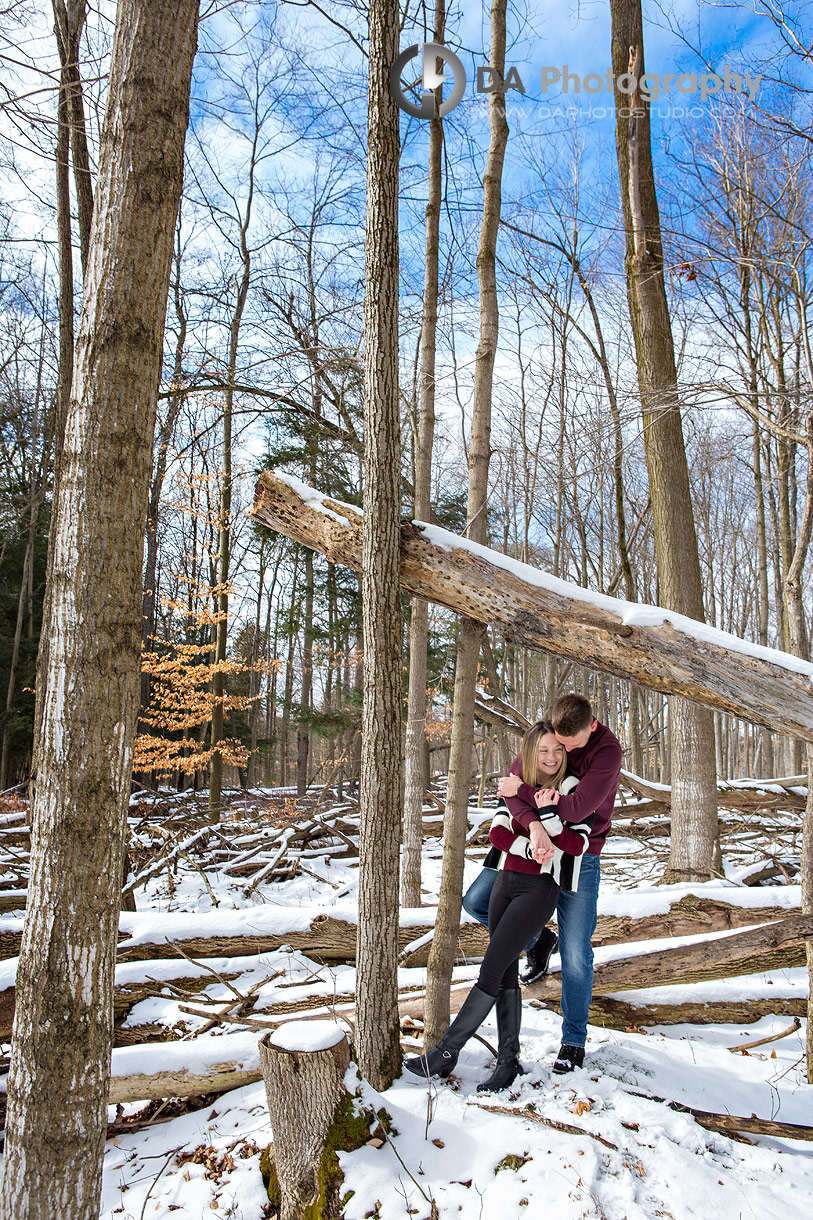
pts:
[511, 843]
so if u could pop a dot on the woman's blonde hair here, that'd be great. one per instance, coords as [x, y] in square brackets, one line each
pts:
[527, 757]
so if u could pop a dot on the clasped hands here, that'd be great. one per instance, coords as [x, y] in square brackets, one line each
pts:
[541, 846]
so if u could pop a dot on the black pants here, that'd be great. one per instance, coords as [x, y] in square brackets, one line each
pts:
[520, 906]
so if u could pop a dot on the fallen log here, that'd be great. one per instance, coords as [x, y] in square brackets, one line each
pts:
[609, 1012]
[729, 796]
[692, 914]
[776, 946]
[730, 1124]
[654, 647]
[327, 939]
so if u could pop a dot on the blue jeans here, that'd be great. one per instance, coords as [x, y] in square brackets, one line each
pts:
[576, 917]
[478, 895]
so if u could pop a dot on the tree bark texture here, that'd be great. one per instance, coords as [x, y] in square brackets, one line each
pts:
[57, 1086]
[471, 630]
[415, 744]
[695, 848]
[377, 1031]
[304, 1090]
[532, 608]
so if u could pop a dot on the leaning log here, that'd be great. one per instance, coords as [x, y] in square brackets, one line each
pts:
[656, 648]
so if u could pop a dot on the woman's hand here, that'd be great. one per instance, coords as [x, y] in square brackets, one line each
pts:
[508, 785]
[541, 846]
[546, 796]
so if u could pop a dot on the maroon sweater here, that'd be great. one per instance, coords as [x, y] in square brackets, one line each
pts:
[597, 766]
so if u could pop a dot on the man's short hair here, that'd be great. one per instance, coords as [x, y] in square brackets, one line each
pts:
[571, 714]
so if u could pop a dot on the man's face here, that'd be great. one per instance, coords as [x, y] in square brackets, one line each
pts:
[578, 739]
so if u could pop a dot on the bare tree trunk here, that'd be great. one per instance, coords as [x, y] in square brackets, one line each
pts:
[69, 19]
[224, 511]
[766, 737]
[303, 737]
[695, 848]
[28, 565]
[441, 957]
[58, 1079]
[377, 1029]
[165, 436]
[415, 749]
[66, 341]
[798, 641]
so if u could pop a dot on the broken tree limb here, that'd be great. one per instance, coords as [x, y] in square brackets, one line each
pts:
[784, 1033]
[653, 647]
[730, 1124]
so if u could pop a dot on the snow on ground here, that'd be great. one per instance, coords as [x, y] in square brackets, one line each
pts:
[473, 1163]
[602, 1142]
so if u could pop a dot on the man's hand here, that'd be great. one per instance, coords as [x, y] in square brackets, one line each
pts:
[546, 796]
[508, 785]
[541, 846]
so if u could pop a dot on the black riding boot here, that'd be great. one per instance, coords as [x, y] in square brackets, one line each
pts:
[442, 1058]
[539, 955]
[509, 1017]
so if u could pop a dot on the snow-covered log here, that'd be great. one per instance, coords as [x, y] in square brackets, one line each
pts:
[775, 946]
[651, 646]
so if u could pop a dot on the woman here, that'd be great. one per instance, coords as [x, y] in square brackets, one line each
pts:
[524, 896]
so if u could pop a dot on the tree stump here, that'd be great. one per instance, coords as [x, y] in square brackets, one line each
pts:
[312, 1115]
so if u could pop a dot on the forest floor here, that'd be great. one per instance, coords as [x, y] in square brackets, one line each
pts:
[606, 1141]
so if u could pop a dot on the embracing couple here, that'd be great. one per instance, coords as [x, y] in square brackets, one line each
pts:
[554, 816]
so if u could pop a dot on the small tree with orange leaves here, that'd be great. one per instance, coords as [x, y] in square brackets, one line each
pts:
[182, 700]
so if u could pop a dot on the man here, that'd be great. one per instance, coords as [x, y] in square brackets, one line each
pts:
[594, 756]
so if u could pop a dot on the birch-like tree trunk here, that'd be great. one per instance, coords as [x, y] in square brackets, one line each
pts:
[441, 957]
[377, 1029]
[694, 847]
[415, 747]
[57, 1085]
[224, 511]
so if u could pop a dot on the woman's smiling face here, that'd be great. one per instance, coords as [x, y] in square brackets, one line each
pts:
[549, 754]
